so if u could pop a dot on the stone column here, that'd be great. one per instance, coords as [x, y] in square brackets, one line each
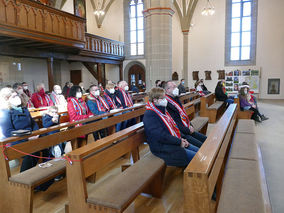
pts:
[185, 57]
[158, 46]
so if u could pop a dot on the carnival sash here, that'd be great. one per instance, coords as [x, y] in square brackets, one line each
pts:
[55, 97]
[80, 108]
[110, 101]
[102, 105]
[166, 118]
[47, 99]
[127, 98]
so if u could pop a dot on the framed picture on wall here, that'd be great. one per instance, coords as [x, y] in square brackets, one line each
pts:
[273, 86]
[80, 8]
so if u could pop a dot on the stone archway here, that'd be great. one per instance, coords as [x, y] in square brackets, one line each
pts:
[135, 71]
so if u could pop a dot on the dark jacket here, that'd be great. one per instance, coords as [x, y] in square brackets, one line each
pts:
[176, 116]
[47, 122]
[181, 89]
[161, 142]
[220, 95]
[119, 94]
[16, 120]
[113, 97]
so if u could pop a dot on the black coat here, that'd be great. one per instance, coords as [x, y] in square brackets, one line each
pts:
[176, 116]
[161, 142]
[220, 95]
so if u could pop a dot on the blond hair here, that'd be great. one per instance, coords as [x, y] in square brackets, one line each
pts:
[109, 86]
[5, 94]
[156, 93]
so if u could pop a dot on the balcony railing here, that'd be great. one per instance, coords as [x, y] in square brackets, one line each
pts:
[31, 20]
[100, 45]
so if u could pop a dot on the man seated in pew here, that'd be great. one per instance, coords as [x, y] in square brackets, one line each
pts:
[181, 86]
[220, 93]
[247, 104]
[58, 99]
[17, 117]
[26, 101]
[111, 99]
[177, 112]
[26, 89]
[97, 106]
[39, 98]
[163, 135]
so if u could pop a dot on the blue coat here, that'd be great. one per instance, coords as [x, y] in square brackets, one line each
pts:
[47, 122]
[176, 116]
[161, 142]
[93, 107]
[15, 120]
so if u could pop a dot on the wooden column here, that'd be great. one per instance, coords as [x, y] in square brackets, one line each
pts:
[50, 73]
[99, 66]
[121, 71]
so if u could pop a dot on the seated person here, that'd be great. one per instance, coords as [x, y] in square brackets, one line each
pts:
[181, 87]
[177, 112]
[97, 106]
[40, 99]
[26, 101]
[111, 99]
[134, 88]
[157, 83]
[163, 136]
[17, 117]
[26, 89]
[220, 93]
[58, 99]
[246, 104]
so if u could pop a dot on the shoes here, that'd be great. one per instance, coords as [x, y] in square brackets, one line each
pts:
[58, 178]
[257, 119]
[263, 118]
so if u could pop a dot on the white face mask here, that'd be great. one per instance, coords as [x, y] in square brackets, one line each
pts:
[176, 92]
[25, 87]
[78, 95]
[58, 91]
[126, 88]
[246, 91]
[97, 93]
[163, 102]
[15, 101]
[111, 91]
[20, 91]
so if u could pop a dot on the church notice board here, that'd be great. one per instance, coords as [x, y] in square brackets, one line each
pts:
[235, 78]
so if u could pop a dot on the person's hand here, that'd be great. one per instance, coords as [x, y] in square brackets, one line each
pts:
[191, 129]
[91, 116]
[184, 143]
[33, 137]
[54, 120]
[253, 106]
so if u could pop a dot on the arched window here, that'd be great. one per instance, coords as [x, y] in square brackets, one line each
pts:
[136, 24]
[241, 32]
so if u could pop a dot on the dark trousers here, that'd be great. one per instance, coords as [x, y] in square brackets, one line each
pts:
[255, 113]
[196, 139]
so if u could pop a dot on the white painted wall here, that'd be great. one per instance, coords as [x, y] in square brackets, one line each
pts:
[112, 72]
[207, 44]
[68, 6]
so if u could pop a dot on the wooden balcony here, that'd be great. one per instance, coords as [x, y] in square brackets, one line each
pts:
[102, 47]
[32, 24]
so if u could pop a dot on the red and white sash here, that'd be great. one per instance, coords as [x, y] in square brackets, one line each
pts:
[80, 108]
[166, 118]
[110, 101]
[127, 98]
[55, 97]
[47, 99]
[182, 113]
[101, 103]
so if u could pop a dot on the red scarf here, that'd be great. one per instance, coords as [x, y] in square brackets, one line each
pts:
[55, 97]
[166, 118]
[110, 101]
[127, 98]
[80, 106]
[47, 99]
[102, 105]
[182, 113]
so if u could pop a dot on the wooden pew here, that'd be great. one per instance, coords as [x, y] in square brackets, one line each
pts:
[117, 193]
[200, 124]
[242, 114]
[138, 97]
[187, 97]
[211, 109]
[244, 186]
[205, 171]
[18, 189]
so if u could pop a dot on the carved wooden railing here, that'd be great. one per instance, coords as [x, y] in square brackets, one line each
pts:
[31, 20]
[100, 45]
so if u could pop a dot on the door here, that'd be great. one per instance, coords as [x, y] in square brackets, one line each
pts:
[136, 75]
[76, 76]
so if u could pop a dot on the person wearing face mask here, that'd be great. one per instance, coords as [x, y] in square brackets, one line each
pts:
[181, 86]
[247, 104]
[177, 112]
[57, 97]
[162, 133]
[112, 100]
[123, 95]
[26, 101]
[76, 106]
[40, 99]
[26, 89]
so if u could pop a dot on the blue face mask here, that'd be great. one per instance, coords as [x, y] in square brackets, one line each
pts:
[182, 82]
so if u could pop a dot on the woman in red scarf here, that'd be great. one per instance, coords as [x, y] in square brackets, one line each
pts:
[40, 99]
[163, 135]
